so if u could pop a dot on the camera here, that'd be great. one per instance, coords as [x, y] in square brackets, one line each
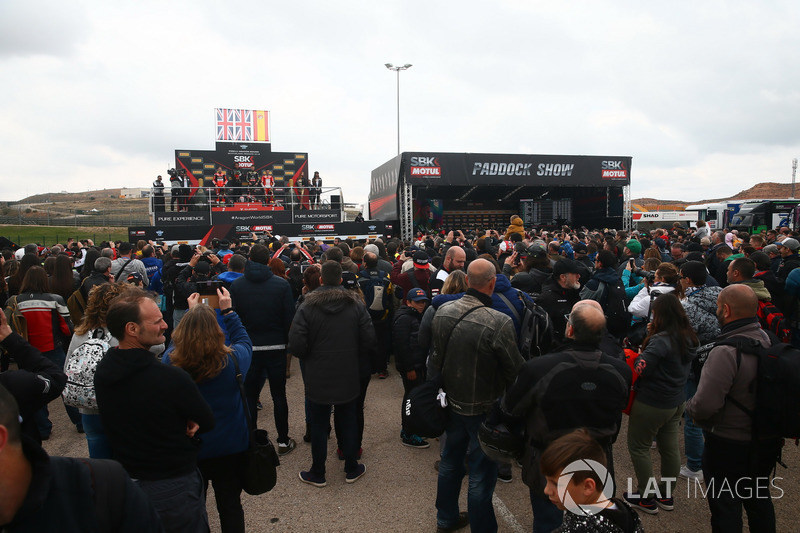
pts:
[172, 173]
[649, 275]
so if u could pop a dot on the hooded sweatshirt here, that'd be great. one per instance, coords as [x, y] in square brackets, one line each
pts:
[145, 406]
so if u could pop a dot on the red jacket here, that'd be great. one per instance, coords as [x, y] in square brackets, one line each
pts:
[47, 318]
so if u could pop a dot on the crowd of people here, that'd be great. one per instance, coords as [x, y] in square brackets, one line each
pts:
[631, 320]
[226, 189]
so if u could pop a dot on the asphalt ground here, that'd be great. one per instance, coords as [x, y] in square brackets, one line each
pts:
[398, 492]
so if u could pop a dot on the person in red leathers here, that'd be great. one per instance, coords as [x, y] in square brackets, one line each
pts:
[220, 179]
[267, 183]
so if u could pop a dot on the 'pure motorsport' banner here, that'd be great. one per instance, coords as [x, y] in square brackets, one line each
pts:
[436, 168]
[242, 125]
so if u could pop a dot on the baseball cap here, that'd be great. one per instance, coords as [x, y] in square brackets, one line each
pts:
[537, 251]
[580, 248]
[202, 267]
[349, 280]
[417, 295]
[565, 266]
[421, 259]
[19, 254]
[770, 249]
[790, 243]
[134, 277]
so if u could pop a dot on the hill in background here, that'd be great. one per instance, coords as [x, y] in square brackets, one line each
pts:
[756, 192]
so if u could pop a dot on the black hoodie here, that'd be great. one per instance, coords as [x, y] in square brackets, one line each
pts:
[145, 406]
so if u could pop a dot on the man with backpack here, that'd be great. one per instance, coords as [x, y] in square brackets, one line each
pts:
[126, 264]
[771, 318]
[376, 286]
[579, 387]
[737, 455]
[606, 288]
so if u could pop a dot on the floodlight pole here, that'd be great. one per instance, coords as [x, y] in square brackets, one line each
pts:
[397, 69]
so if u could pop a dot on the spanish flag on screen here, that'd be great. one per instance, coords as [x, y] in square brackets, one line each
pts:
[261, 126]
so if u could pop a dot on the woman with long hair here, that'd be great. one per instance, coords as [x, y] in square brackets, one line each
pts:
[15, 281]
[48, 328]
[62, 279]
[88, 262]
[198, 347]
[663, 367]
[93, 326]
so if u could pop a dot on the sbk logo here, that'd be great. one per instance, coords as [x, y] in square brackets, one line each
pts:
[425, 166]
[417, 161]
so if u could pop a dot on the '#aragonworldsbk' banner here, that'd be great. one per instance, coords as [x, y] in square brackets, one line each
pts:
[242, 125]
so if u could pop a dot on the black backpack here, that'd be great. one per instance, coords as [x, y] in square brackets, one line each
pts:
[615, 306]
[377, 290]
[777, 387]
[536, 328]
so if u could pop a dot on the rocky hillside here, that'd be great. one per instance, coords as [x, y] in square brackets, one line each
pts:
[757, 191]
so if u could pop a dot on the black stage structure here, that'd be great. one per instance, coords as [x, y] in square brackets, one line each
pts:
[441, 191]
[206, 217]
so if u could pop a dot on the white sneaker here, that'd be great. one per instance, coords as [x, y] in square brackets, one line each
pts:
[690, 474]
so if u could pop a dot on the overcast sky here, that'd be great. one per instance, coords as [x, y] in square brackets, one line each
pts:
[703, 95]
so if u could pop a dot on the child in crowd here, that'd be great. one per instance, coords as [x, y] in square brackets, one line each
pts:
[582, 490]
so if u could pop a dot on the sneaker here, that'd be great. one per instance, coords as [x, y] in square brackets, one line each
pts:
[340, 454]
[259, 406]
[415, 441]
[286, 447]
[311, 479]
[383, 375]
[461, 523]
[646, 505]
[668, 504]
[505, 477]
[691, 475]
[354, 476]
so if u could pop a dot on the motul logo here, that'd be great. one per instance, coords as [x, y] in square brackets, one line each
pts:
[262, 228]
[324, 226]
[613, 170]
[426, 171]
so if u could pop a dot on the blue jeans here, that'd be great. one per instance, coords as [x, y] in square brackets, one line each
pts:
[43, 423]
[546, 516]
[346, 420]
[269, 365]
[692, 434]
[96, 438]
[462, 441]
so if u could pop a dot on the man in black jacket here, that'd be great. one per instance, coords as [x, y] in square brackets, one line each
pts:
[332, 334]
[42, 493]
[559, 392]
[151, 413]
[265, 304]
[560, 293]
